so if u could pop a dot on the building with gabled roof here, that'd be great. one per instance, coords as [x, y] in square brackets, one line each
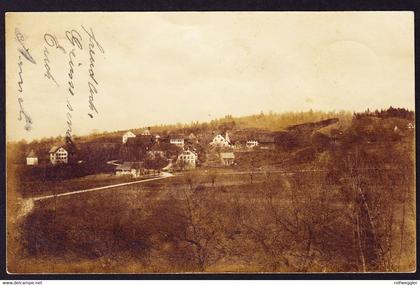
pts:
[58, 155]
[221, 141]
[187, 159]
[251, 143]
[127, 135]
[227, 158]
[178, 141]
[31, 158]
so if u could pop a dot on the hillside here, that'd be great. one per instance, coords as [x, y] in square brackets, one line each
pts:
[341, 200]
[240, 127]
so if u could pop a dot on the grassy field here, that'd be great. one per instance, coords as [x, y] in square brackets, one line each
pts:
[30, 189]
[151, 228]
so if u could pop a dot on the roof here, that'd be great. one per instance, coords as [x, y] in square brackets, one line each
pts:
[226, 155]
[219, 135]
[187, 151]
[140, 140]
[223, 136]
[55, 148]
[32, 153]
[128, 165]
[156, 147]
[129, 133]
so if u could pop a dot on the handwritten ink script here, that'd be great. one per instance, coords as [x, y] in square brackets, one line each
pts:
[23, 52]
[69, 46]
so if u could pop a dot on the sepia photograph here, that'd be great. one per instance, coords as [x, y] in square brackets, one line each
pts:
[210, 142]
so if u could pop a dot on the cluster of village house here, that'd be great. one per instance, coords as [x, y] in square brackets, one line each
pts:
[187, 156]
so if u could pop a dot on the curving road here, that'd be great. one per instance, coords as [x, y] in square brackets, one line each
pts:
[163, 175]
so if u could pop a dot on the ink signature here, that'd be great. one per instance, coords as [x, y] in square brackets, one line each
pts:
[22, 113]
[93, 83]
[23, 49]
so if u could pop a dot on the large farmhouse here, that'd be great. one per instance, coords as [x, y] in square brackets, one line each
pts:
[188, 159]
[221, 141]
[58, 155]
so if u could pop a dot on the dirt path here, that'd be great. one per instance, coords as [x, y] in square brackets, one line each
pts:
[163, 175]
[26, 205]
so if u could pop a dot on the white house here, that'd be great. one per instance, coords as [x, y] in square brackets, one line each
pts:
[251, 143]
[58, 155]
[127, 135]
[221, 141]
[188, 158]
[31, 159]
[227, 158]
[177, 141]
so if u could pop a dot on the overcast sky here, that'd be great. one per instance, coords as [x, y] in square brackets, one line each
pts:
[183, 67]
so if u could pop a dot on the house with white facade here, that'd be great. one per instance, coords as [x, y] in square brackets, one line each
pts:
[227, 158]
[31, 158]
[127, 135]
[58, 155]
[188, 159]
[177, 141]
[251, 143]
[221, 141]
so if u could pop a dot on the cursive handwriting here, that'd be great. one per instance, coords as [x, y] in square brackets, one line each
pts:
[74, 38]
[20, 82]
[22, 49]
[72, 55]
[92, 38]
[22, 113]
[48, 73]
[79, 42]
[52, 41]
[93, 82]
